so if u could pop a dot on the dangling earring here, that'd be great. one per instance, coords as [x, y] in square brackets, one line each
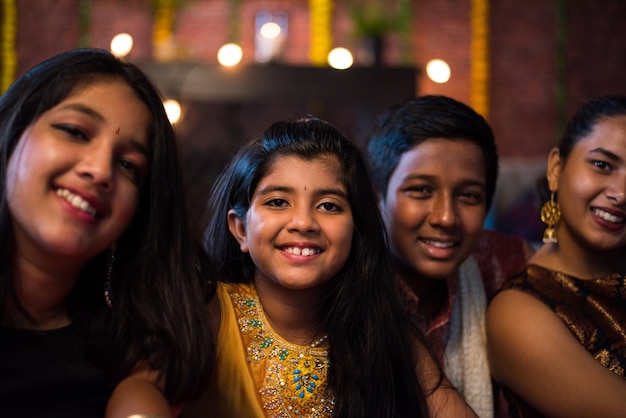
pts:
[108, 291]
[550, 215]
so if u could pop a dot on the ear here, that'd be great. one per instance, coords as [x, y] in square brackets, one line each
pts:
[554, 169]
[382, 209]
[237, 228]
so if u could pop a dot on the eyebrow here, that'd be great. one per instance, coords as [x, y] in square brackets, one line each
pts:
[321, 192]
[83, 109]
[135, 145]
[606, 153]
[427, 177]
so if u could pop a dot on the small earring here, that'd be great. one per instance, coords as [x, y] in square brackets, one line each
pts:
[108, 291]
[550, 215]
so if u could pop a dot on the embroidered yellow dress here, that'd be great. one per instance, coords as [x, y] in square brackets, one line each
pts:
[258, 374]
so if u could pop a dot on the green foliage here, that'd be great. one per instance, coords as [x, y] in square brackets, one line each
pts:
[373, 18]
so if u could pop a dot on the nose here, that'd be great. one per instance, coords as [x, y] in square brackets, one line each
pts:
[616, 191]
[96, 165]
[443, 211]
[303, 219]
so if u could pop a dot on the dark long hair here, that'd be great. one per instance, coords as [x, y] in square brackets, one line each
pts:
[158, 315]
[373, 365]
[587, 117]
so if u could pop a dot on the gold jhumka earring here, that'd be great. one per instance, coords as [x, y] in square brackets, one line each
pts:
[550, 215]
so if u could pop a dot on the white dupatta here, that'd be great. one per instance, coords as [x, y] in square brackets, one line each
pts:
[466, 351]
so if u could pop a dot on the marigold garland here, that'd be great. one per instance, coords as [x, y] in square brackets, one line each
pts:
[479, 93]
[9, 54]
[321, 30]
[163, 22]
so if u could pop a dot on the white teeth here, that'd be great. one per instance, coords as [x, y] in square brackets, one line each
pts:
[302, 251]
[439, 244]
[608, 217]
[76, 201]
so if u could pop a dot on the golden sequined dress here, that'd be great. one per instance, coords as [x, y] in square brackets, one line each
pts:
[257, 373]
[593, 310]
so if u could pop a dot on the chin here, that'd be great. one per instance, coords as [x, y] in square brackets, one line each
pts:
[440, 272]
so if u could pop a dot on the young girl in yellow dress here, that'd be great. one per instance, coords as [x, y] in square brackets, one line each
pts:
[306, 318]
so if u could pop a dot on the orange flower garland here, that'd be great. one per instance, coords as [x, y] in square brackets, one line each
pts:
[9, 54]
[479, 93]
[321, 30]
[163, 24]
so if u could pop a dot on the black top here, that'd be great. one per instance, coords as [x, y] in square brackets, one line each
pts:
[47, 374]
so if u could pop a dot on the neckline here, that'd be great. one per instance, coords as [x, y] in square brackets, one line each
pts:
[278, 338]
[62, 329]
[615, 274]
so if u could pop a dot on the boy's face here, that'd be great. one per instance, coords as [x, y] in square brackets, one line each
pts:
[435, 206]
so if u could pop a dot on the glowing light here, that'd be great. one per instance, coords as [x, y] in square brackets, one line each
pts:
[229, 55]
[438, 71]
[270, 30]
[121, 44]
[173, 110]
[340, 58]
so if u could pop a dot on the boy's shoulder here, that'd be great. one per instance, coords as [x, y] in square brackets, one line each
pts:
[499, 256]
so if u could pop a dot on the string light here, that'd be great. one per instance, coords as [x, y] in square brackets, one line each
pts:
[121, 44]
[229, 55]
[340, 58]
[173, 110]
[438, 71]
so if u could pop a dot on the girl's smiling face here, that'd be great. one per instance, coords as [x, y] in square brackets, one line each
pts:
[591, 189]
[74, 178]
[298, 229]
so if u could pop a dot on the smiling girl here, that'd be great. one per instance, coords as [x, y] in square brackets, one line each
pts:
[556, 334]
[98, 278]
[309, 324]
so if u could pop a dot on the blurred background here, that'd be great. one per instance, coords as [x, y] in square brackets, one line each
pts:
[232, 67]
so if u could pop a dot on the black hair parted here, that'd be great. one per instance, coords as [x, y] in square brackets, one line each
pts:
[587, 116]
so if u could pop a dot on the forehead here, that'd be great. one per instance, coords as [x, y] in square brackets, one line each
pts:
[608, 133]
[295, 169]
[111, 101]
[443, 157]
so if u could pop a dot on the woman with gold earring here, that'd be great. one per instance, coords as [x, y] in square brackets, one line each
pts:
[556, 330]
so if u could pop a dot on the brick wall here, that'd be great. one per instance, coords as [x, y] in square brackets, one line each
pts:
[523, 109]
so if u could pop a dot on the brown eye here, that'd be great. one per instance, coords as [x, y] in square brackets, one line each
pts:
[277, 202]
[133, 171]
[329, 207]
[72, 131]
[602, 165]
